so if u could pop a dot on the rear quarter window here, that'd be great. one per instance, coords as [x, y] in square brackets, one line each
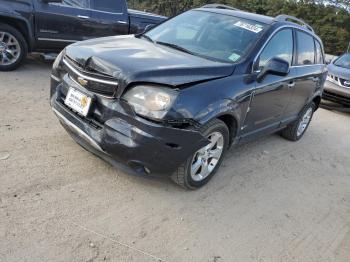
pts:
[305, 49]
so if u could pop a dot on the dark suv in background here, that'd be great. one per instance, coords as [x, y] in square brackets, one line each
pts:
[50, 25]
[174, 99]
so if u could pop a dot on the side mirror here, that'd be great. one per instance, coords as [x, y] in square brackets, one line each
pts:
[52, 1]
[275, 66]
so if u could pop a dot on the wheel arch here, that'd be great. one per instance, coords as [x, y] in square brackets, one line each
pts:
[232, 124]
[226, 110]
[22, 26]
[317, 101]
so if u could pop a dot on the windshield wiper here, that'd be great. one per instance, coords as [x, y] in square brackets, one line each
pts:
[144, 36]
[174, 46]
[148, 38]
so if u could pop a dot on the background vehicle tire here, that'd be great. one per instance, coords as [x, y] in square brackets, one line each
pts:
[297, 129]
[13, 48]
[202, 165]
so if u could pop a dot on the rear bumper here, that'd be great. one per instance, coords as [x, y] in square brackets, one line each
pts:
[336, 93]
[121, 138]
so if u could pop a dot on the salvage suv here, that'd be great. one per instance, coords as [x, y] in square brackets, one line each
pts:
[174, 99]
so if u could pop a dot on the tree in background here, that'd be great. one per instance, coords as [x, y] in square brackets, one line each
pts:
[330, 19]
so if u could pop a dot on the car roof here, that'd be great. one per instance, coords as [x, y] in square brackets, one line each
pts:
[256, 17]
[242, 14]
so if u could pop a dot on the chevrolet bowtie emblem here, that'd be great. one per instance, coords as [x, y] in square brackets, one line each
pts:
[82, 81]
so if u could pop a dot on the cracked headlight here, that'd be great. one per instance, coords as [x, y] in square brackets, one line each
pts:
[151, 101]
[56, 67]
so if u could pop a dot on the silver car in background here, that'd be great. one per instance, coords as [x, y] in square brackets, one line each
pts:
[337, 86]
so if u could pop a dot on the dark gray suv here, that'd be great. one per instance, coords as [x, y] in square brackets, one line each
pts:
[171, 101]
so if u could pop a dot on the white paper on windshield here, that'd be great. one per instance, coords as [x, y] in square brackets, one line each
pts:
[234, 57]
[253, 28]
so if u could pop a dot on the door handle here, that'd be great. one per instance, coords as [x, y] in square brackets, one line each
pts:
[83, 16]
[291, 84]
[122, 22]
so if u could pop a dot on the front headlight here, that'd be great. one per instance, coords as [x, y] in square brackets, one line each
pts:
[58, 61]
[151, 101]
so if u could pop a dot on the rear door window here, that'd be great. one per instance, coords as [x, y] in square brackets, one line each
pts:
[115, 6]
[306, 49]
[77, 3]
[281, 46]
[319, 53]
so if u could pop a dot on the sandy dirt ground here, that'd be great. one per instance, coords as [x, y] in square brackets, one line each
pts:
[272, 200]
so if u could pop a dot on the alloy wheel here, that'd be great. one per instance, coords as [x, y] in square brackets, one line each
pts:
[10, 49]
[304, 122]
[206, 159]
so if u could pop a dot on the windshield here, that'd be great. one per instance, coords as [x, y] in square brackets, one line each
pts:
[343, 61]
[211, 35]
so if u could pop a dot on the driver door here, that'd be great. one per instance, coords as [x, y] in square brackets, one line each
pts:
[272, 95]
[60, 24]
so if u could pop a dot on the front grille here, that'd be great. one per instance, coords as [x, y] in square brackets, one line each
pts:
[340, 81]
[345, 82]
[94, 82]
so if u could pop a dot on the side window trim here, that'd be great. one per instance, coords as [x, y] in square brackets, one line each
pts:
[321, 50]
[295, 48]
[315, 52]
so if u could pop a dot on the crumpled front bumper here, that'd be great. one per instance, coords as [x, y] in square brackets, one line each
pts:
[113, 132]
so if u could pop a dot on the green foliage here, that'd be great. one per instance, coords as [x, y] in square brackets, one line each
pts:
[330, 19]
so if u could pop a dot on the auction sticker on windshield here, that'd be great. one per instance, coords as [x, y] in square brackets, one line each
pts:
[78, 101]
[253, 28]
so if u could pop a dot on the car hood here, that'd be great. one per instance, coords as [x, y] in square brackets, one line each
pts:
[129, 59]
[339, 71]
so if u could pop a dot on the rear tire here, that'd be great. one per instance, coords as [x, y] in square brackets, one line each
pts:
[185, 176]
[13, 48]
[296, 130]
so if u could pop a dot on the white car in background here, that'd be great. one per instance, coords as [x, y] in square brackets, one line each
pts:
[337, 86]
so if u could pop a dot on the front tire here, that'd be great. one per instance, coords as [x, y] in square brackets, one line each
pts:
[296, 130]
[13, 48]
[203, 164]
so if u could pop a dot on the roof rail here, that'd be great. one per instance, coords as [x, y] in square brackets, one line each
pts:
[292, 19]
[219, 6]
